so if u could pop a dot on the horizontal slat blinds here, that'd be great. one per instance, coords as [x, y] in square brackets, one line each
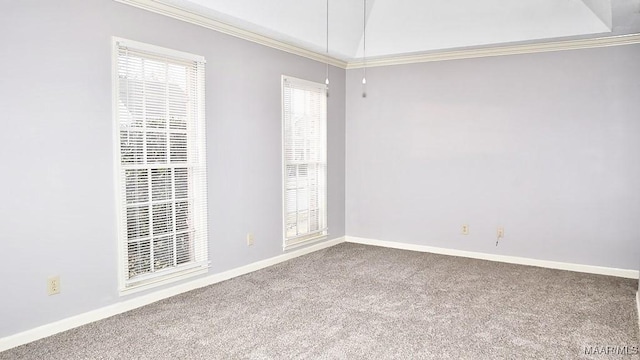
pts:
[161, 163]
[304, 107]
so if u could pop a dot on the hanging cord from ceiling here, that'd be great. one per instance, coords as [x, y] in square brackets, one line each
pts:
[326, 81]
[364, 49]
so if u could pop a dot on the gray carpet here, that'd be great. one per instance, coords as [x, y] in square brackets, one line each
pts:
[362, 302]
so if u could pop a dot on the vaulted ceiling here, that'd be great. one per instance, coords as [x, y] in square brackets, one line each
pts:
[402, 27]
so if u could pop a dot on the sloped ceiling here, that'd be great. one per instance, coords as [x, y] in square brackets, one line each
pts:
[401, 27]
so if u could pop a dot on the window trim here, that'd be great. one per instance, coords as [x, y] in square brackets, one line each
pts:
[188, 270]
[317, 235]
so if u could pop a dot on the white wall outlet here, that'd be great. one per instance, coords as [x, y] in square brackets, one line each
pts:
[53, 285]
[500, 232]
[250, 239]
[465, 229]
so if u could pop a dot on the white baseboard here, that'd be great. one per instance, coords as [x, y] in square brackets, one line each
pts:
[624, 273]
[638, 303]
[127, 305]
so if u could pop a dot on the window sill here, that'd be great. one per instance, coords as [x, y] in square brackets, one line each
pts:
[163, 280]
[305, 241]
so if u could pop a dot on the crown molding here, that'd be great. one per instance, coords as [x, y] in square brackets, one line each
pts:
[618, 40]
[162, 8]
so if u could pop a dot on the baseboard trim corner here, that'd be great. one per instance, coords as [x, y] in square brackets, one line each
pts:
[69, 323]
[599, 270]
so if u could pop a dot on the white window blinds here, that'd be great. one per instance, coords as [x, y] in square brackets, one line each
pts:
[304, 119]
[161, 163]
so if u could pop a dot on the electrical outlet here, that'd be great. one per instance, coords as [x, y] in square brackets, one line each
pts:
[465, 229]
[250, 239]
[53, 285]
[500, 232]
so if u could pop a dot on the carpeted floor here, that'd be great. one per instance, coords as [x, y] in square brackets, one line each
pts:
[362, 302]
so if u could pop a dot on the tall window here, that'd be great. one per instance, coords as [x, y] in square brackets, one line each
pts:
[304, 123]
[161, 164]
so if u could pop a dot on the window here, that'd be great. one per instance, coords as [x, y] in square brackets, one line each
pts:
[160, 164]
[304, 126]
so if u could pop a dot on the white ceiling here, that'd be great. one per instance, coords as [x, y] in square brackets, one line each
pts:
[400, 27]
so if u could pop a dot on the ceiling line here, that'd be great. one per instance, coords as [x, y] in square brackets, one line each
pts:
[596, 7]
[504, 50]
[159, 7]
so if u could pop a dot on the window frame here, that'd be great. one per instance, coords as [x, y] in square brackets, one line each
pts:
[289, 243]
[197, 190]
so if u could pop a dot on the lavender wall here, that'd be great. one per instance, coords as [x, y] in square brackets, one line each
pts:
[58, 212]
[546, 145]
